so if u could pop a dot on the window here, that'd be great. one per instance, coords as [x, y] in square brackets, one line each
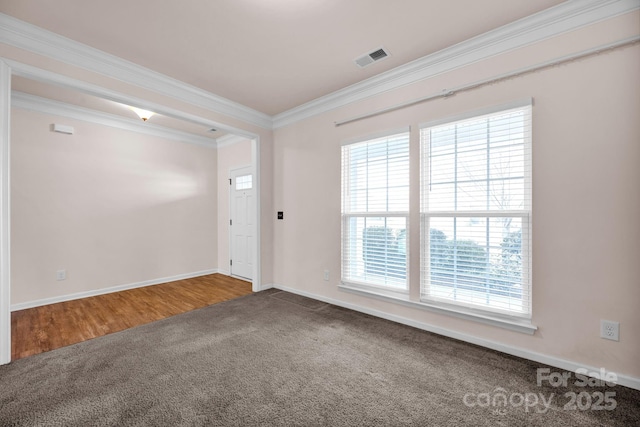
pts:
[244, 182]
[375, 212]
[476, 212]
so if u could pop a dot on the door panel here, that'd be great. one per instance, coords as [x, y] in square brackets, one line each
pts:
[242, 227]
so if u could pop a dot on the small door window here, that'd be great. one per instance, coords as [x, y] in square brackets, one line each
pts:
[244, 182]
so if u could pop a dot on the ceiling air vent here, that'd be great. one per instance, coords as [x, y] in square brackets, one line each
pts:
[371, 57]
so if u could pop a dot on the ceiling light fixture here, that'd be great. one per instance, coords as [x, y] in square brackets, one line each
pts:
[143, 114]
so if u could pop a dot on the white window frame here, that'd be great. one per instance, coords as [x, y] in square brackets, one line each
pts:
[525, 215]
[347, 215]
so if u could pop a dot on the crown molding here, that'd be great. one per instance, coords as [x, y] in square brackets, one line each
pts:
[49, 77]
[229, 139]
[20, 34]
[565, 17]
[47, 106]
[568, 16]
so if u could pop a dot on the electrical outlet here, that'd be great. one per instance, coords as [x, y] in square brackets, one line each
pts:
[326, 275]
[610, 330]
[61, 275]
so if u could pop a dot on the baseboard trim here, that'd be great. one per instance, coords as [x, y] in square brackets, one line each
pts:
[265, 286]
[103, 291]
[225, 272]
[564, 364]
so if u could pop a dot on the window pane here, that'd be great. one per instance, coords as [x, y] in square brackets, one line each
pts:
[398, 199]
[507, 128]
[472, 196]
[358, 200]
[472, 165]
[376, 175]
[507, 194]
[507, 162]
[376, 251]
[507, 187]
[442, 169]
[244, 182]
[377, 199]
[443, 140]
[476, 261]
[442, 197]
[471, 135]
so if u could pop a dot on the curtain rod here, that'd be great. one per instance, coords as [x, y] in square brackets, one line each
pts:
[450, 92]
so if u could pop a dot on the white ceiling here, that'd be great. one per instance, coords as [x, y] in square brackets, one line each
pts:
[270, 55]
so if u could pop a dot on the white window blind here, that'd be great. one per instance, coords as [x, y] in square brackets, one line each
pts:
[476, 212]
[375, 212]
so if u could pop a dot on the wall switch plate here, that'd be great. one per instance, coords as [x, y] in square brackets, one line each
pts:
[326, 275]
[61, 275]
[610, 330]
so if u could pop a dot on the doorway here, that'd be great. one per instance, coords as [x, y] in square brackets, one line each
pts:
[241, 222]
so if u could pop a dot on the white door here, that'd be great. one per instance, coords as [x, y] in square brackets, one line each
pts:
[241, 230]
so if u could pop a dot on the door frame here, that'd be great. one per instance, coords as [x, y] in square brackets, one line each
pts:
[10, 67]
[233, 169]
[5, 214]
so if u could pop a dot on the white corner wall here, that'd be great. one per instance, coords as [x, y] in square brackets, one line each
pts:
[109, 206]
[586, 175]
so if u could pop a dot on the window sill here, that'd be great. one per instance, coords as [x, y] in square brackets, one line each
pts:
[513, 324]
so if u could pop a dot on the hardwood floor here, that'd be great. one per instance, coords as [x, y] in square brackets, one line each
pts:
[40, 329]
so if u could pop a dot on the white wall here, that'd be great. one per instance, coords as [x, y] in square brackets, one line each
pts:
[111, 207]
[229, 157]
[586, 177]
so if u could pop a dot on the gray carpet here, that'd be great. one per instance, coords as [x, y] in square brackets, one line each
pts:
[275, 359]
